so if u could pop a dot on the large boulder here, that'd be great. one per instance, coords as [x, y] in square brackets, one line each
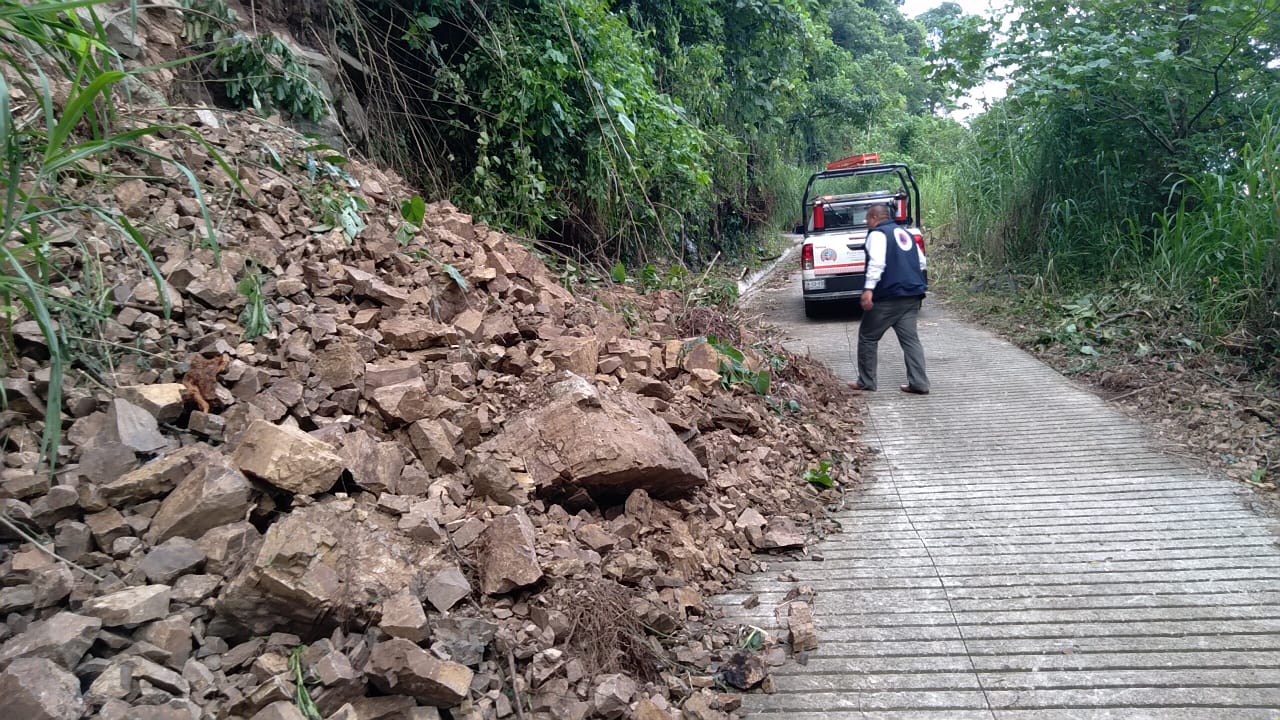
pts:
[605, 443]
[324, 564]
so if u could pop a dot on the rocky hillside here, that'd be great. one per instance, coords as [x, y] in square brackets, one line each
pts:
[365, 458]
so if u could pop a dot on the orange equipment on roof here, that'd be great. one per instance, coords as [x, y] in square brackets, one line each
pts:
[854, 161]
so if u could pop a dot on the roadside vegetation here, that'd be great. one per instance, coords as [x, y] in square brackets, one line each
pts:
[1117, 212]
[652, 131]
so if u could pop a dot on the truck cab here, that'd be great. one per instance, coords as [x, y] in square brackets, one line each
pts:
[833, 259]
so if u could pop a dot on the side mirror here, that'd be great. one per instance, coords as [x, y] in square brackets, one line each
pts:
[798, 230]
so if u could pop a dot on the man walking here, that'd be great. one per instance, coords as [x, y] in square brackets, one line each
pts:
[891, 298]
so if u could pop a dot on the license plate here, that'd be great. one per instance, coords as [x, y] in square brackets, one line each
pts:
[815, 284]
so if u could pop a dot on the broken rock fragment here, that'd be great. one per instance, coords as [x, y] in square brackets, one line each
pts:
[398, 666]
[132, 606]
[324, 564]
[446, 588]
[602, 442]
[403, 617]
[63, 638]
[288, 458]
[213, 494]
[507, 558]
[37, 689]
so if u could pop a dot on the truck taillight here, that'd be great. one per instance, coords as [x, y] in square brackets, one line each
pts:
[919, 240]
[806, 257]
[819, 217]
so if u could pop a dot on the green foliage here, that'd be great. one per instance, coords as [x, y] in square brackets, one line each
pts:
[1136, 145]
[733, 369]
[255, 319]
[260, 71]
[40, 144]
[301, 696]
[642, 131]
[820, 476]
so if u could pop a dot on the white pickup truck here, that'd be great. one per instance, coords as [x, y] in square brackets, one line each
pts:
[833, 258]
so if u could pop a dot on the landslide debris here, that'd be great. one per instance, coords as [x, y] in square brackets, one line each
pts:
[439, 484]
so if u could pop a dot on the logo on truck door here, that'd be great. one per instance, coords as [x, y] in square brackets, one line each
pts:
[905, 241]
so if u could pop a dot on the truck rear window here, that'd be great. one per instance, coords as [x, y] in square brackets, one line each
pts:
[840, 217]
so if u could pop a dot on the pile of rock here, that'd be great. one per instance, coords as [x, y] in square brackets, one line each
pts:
[384, 505]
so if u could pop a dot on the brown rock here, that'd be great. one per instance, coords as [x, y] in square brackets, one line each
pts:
[288, 458]
[507, 558]
[495, 480]
[646, 709]
[369, 285]
[399, 666]
[802, 633]
[279, 710]
[63, 638]
[780, 534]
[165, 401]
[37, 689]
[324, 564]
[390, 372]
[339, 366]
[446, 588]
[224, 547]
[155, 479]
[436, 444]
[133, 427]
[132, 606]
[214, 494]
[578, 355]
[166, 561]
[416, 333]
[106, 527]
[403, 617]
[611, 697]
[374, 465]
[404, 402]
[602, 443]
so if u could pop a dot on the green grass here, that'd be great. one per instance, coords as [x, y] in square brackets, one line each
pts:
[49, 47]
[1214, 244]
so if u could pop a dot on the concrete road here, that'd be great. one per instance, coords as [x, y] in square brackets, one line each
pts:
[1023, 552]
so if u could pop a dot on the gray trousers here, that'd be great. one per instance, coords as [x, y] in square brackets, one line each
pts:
[899, 314]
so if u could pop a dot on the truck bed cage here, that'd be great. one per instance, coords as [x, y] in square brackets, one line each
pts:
[905, 178]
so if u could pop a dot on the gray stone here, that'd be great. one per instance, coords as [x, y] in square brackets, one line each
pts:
[399, 666]
[133, 427]
[446, 588]
[508, 560]
[175, 556]
[131, 606]
[37, 689]
[403, 617]
[63, 638]
[462, 640]
[213, 494]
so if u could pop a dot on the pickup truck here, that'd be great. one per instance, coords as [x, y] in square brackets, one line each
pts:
[833, 259]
